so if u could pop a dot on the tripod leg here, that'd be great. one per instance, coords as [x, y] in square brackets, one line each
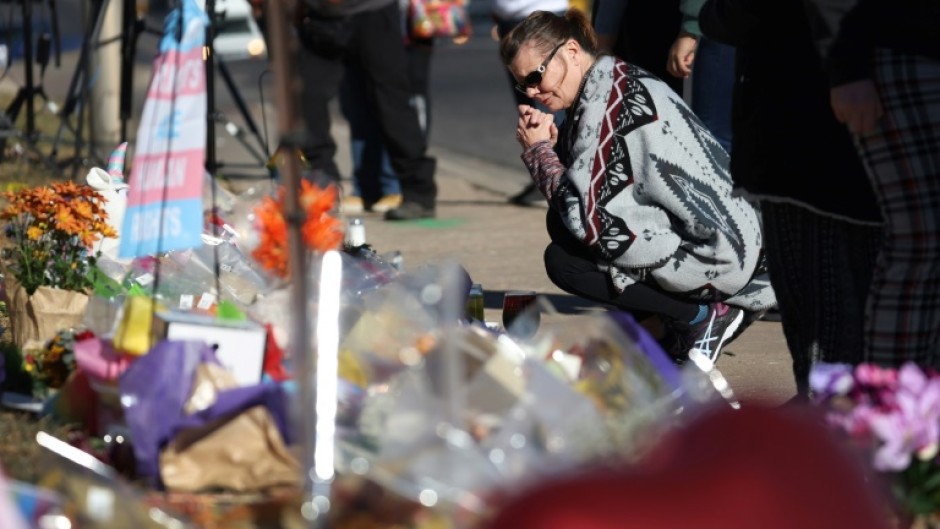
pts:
[240, 103]
[78, 87]
[12, 112]
[239, 135]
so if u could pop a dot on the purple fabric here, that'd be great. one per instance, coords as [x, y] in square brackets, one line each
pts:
[154, 390]
[233, 401]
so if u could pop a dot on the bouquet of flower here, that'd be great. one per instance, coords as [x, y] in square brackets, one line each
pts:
[321, 231]
[51, 365]
[894, 416]
[51, 230]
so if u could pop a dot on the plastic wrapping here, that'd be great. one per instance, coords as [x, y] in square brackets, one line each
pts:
[449, 414]
[94, 496]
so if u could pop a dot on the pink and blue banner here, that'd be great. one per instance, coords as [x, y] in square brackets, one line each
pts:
[164, 203]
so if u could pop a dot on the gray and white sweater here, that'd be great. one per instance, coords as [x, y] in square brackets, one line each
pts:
[638, 178]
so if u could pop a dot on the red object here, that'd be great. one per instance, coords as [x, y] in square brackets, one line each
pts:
[274, 358]
[754, 468]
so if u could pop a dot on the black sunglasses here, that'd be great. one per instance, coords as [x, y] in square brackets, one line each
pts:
[534, 78]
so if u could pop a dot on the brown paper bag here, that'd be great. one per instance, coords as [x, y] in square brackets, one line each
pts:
[36, 319]
[242, 454]
[245, 453]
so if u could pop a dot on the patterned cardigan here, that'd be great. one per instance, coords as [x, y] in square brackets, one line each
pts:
[638, 178]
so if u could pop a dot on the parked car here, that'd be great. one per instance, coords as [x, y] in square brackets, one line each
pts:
[237, 35]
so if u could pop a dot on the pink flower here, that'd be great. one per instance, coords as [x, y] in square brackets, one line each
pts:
[876, 376]
[912, 425]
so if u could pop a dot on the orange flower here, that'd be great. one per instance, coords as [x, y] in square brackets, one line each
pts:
[83, 209]
[54, 226]
[320, 231]
[67, 222]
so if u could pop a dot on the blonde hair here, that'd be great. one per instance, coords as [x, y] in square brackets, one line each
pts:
[545, 30]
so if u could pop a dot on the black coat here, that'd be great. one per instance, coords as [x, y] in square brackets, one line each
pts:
[787, 144]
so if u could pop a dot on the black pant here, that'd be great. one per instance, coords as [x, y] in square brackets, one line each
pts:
[372, 39]
[820, 268]
[569, 265]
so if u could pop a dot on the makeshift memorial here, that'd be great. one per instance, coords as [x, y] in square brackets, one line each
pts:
[50, 230]
[577, 393]
[95, 496]
[194, 428]
[244, 452]
[893, 417]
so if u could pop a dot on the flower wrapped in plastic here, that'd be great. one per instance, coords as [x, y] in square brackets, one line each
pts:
[449, 415]
[893, 416]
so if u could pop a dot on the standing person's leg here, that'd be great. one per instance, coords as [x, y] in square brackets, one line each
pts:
[320, 60]
[419, 52]
[382, 54]
[712, 85]
[820, 268]
[368, 154]
[902, 161]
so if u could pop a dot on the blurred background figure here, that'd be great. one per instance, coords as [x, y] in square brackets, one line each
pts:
[640, 32]
[713, 80]
[663, 37]
[375, 186]
[821, 223]
[883, 64]
[369, 35]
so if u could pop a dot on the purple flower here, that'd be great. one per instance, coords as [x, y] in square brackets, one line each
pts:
[912, 426]
[829, 380]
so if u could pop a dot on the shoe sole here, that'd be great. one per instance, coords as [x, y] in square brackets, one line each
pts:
[726, 337]
[419, 217]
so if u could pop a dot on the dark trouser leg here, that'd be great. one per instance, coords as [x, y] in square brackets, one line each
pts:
[820, 269]
[419, 73]
[321, 77]
[570, 266]
[381, 52]
[365, 136]
[712, 84]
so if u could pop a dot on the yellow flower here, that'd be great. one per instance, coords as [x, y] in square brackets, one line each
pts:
[34, 233]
